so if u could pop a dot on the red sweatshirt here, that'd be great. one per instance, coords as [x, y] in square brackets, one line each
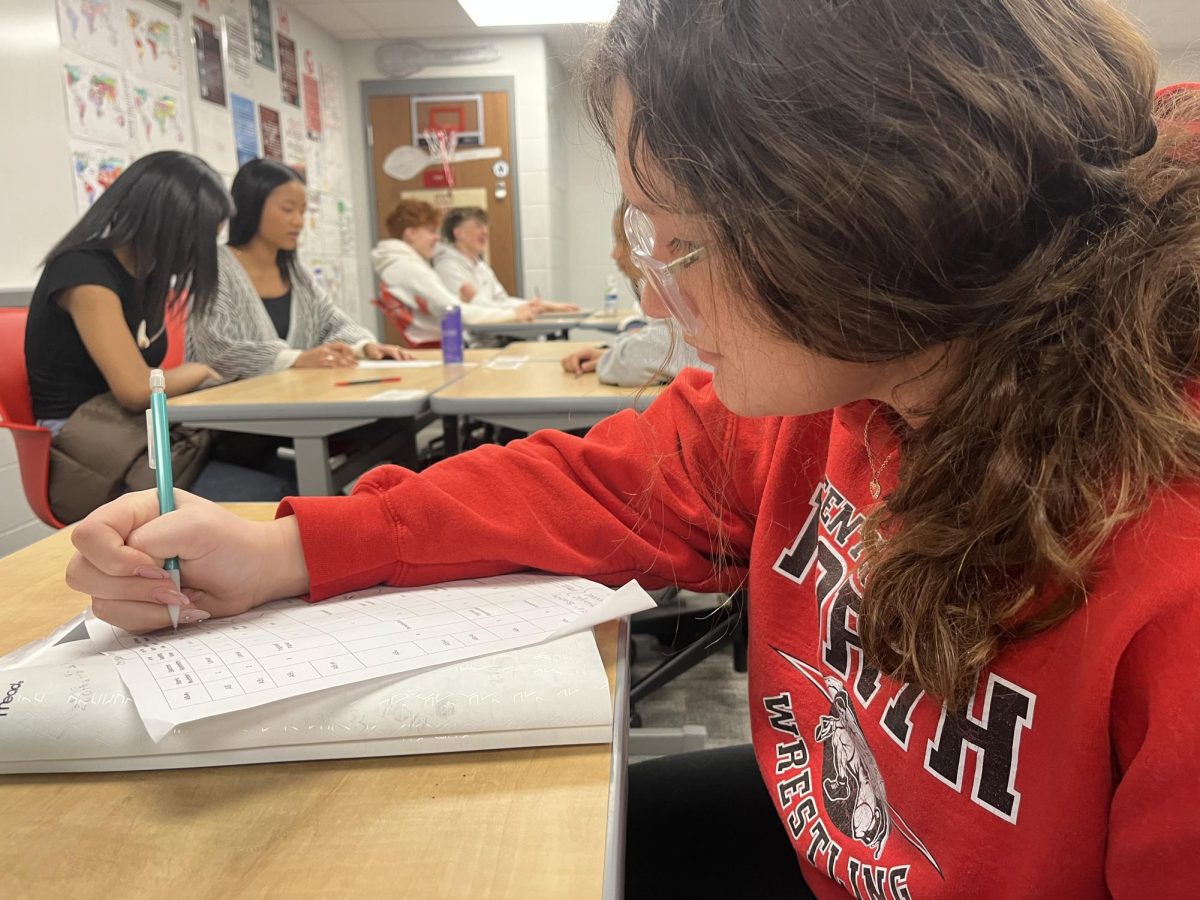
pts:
[1074, 773]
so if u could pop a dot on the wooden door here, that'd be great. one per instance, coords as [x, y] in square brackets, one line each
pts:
[390, 120]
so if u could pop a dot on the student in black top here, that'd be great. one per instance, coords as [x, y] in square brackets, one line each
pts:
[97, 320]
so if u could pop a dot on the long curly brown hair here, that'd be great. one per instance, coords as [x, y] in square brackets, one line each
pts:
[888, 177]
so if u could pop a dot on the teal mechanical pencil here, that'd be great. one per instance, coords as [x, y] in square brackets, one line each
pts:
[160, 461]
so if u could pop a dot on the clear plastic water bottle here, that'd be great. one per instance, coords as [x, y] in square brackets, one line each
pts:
[611, 298]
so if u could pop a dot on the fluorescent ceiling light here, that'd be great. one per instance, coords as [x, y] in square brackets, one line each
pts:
[538, 12]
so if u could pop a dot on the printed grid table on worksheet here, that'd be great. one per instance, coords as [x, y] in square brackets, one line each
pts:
[291, 647]
[293, 644]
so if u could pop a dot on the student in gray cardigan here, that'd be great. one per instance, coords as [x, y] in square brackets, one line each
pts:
[269, 313]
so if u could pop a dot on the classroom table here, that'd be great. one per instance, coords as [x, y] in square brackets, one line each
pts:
[533, 395]
[552, 325]
[529, 823]
[305, 406]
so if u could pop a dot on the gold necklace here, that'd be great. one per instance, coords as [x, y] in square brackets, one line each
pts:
[873, 484]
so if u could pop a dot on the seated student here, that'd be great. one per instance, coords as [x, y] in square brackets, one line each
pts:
[402, 266]
[459, 262]
[647, 351]
[268, 313]
[945, 263]
[97, 325]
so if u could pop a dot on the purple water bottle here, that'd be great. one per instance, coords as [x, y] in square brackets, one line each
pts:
[452, 337]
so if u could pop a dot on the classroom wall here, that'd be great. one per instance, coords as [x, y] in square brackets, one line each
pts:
[1179, 64]
[38, 194]
[523, 58]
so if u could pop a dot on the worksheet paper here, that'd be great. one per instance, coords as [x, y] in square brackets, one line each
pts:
[70, 712]
[291, 647]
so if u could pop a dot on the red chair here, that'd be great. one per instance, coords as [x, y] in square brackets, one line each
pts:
[16, 416]
[401, 317]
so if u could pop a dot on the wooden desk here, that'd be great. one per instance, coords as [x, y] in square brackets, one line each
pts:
[545, 351]
[543, 822]
[536, 395]
[306, 406]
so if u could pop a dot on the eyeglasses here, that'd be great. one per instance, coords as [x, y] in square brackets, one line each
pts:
[639, 231]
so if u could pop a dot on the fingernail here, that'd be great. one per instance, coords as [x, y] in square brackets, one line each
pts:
[170, 597]
[151, 573]
[192, 616]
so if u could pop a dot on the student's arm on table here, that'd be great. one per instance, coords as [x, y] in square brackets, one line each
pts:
[100, 320]
[642, 497]
[583, 361]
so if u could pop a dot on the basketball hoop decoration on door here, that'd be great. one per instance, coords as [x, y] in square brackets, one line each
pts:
[442, 142]
[446, 129]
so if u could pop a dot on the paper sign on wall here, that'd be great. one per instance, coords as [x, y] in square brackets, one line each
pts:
[272, 136]
[94, 167]
[209, 67]
[153, 44]
[312, 108]
[241, 56]
[90, 27]
[95, 99]
[262, 28]
[289, 79]
[160, 118]
[245, 134]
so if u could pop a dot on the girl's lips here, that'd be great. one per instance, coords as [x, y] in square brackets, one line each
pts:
[706, 357]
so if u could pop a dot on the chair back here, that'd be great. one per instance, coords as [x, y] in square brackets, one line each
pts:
[15, 403]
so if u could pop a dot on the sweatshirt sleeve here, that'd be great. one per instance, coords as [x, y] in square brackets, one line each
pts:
[333, 323]
[650, 355]
[665, 497]
[1153, 828]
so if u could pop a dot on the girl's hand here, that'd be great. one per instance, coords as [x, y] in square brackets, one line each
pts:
[526, 312]
[227, 565]
[385, 351]
[582, 361]
[335, 355]
[467, 292]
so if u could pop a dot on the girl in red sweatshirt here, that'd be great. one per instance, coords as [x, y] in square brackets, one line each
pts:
[944, 260]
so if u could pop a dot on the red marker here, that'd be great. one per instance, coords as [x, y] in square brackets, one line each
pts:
[368, 381]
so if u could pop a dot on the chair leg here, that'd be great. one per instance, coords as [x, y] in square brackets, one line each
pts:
[670, 669]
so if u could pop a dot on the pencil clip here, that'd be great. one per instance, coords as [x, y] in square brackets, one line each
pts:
[150, 438]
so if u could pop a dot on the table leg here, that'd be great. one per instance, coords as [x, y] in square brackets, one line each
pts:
[313, 477]
[451, 436]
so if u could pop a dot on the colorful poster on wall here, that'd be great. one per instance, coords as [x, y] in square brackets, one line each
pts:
[262, 29]
[245, 132]
[289, 79]
[209, 68]
[95, 99]
[90, 27]
[272, 136]
[160, 118]
[312, 108]
[94, 167]
[241, 56]
[153, 44]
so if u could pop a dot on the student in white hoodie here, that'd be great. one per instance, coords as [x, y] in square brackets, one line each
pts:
[460, 264]
[411, 291]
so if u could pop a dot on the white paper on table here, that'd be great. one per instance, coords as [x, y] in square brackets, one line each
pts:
[292, 647]
[398, 363]
[72, 713]
[397, 394]
[507, 362]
